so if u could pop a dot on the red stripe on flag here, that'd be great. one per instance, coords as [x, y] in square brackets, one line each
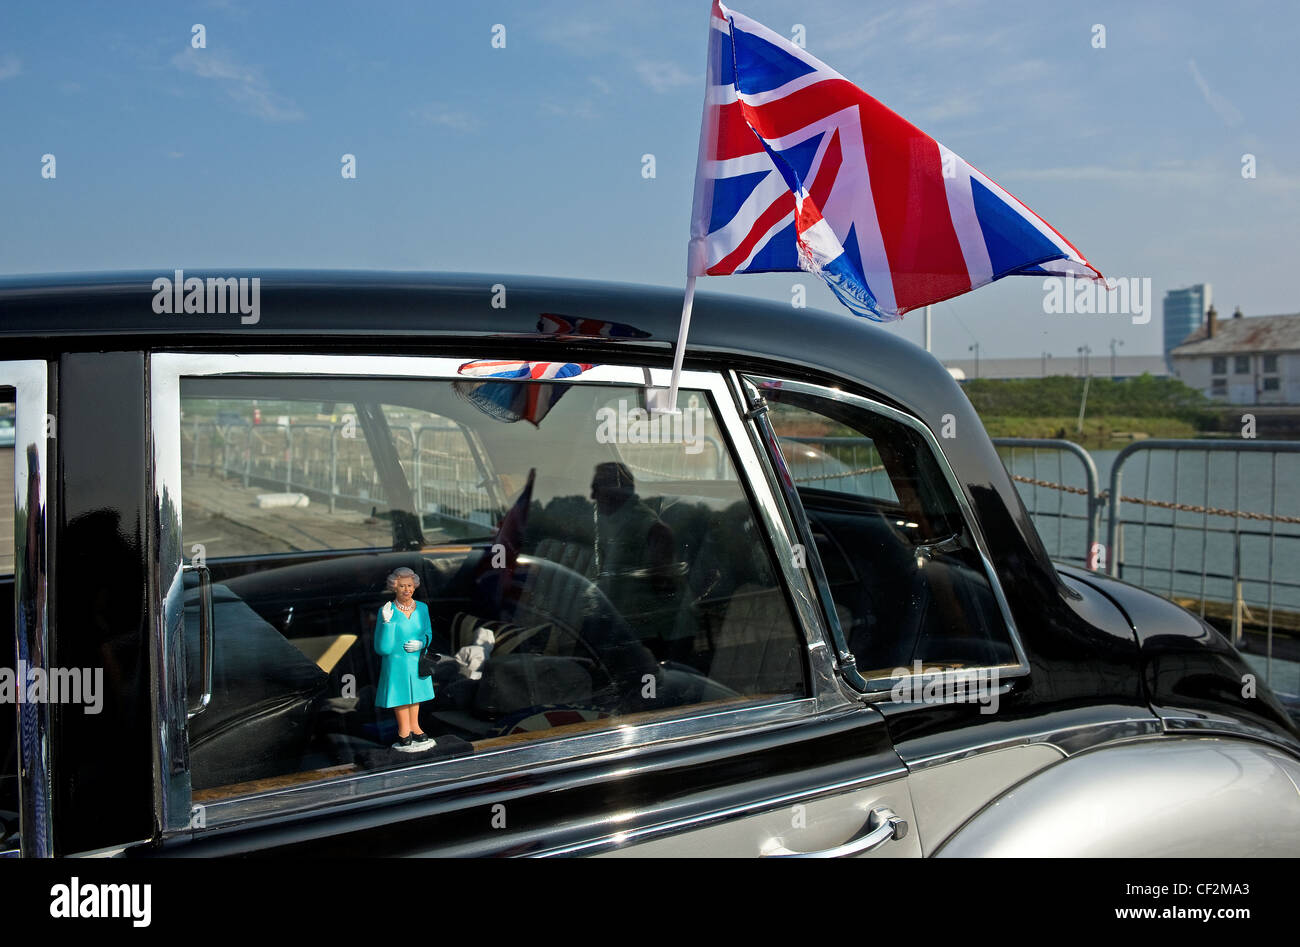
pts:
[912, 208]
[766, 221]
[735, 138]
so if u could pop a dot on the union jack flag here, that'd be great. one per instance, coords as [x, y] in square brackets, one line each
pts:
[799, 169]
[499, 393]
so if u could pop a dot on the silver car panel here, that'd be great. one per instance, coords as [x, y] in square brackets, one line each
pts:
[1165, 797]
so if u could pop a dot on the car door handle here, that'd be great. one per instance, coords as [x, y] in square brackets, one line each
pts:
[195, 707]
[883, 825]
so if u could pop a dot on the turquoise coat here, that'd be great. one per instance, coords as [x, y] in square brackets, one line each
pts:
[399, 670]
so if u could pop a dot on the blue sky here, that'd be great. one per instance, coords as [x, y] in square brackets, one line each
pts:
[527, 159]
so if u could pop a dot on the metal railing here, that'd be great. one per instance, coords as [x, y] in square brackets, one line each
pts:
[839, 463]
[1074, 503]
[1216, 537]
[331, 461]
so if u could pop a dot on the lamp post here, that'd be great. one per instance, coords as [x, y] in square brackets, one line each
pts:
[1084, 351]
[1046, 356]
[976, 349]
[1113, 344]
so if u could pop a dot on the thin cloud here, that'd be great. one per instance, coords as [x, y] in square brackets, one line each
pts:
[10, 66]
[1222, 107]
[579, 34]
[244, 84]
[580, 109]
[434, 114]
[664, 76]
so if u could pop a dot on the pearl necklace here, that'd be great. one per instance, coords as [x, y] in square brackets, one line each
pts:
[405, 609]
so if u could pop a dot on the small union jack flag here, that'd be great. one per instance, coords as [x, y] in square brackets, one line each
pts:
[799, 169]
[499, 391]
[555, 324]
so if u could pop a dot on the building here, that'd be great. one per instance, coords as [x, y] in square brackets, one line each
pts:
[1243, 361]
[1184, 314]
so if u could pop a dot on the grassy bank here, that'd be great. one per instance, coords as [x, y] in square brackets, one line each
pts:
[1049, 407]
[1097, 432]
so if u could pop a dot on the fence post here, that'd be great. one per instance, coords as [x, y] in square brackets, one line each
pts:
[1237, 601]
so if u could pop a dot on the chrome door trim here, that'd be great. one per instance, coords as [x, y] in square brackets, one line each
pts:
[1070, 740]
[1187, 723]
[30, 381]
[879, 688]
[620, 839]
[173, 790]
[194, 708]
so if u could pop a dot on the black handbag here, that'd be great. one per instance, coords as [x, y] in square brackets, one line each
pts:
[428, 660]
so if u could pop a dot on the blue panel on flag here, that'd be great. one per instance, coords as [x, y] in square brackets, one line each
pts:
[720, 58]
[853, 253]
[729, 194]
[777, 256]
[800, 158]
[764, 67]
[1013, 242]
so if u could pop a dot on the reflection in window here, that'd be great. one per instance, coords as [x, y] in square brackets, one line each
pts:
[575, 574]
[8, 641]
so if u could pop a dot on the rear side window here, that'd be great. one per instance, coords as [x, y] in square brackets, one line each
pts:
[905, 574]
[574, 569]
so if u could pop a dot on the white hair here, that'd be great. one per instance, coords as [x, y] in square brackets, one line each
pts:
[402, 572]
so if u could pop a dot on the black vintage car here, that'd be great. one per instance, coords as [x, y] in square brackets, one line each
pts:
[805, 614]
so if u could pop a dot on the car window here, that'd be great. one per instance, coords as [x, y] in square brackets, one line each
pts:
[574, 565]
[904, 572]
[8, 641]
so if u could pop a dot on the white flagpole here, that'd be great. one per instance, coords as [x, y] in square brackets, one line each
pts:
[696, 249]
[687, 302]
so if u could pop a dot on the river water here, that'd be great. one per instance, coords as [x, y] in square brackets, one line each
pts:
[1154, 539]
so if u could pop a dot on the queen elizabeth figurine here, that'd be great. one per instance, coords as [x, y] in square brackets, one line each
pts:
[401, 633]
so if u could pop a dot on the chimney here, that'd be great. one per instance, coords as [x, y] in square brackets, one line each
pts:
[1236, 313]
[1210, 318]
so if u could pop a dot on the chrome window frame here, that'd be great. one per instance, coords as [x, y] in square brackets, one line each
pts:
[30, 381]
[698, 722]
[878, 688]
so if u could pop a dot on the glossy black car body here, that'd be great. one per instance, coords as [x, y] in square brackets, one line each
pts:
[1099, 652]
